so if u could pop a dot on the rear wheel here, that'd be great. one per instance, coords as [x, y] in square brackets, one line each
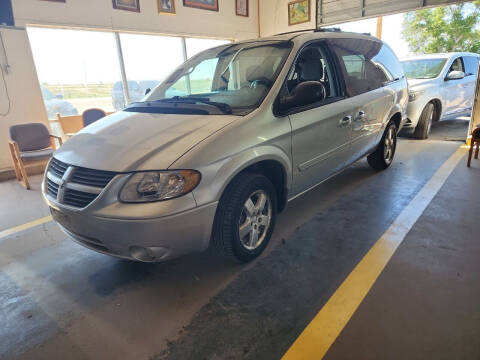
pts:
[382, 157]
[425, 122]
[245, 218]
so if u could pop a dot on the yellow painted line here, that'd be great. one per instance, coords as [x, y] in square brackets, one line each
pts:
[320, 334]
[26, 226]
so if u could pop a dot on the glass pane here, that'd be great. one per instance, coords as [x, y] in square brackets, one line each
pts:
[149, 59]
[194, 45]
[229, 79]
[76, 69]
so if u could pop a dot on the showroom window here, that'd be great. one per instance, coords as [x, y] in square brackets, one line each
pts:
[195, 45]
[77, 69]
[82, 69]
[146, 64]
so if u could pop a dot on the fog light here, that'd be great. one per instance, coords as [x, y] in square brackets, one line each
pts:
[148, 254]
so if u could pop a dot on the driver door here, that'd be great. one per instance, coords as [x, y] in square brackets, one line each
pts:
[455, 92]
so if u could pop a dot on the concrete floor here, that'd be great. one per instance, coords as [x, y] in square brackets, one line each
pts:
[60, 300]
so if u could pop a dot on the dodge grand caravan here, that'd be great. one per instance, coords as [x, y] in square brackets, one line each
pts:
[210, 156]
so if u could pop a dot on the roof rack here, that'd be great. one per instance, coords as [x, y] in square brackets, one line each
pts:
[294, 32]
[328, 30]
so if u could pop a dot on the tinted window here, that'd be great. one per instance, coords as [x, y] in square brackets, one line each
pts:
[360, 64]
[387, 60]
[471, 65]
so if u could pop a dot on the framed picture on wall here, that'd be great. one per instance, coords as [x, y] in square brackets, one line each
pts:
[241, 7]
[298, 12]
[129, 5]
[202, 4]
[166, 7]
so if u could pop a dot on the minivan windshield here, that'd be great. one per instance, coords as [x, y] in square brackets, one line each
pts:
[231, 79]
[423, 68]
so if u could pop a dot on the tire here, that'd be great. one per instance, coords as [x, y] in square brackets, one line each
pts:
[383, 156]
[425, 122]
[232, 214]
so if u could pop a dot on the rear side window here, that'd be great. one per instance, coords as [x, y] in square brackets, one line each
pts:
[365, 64]
[471, 65]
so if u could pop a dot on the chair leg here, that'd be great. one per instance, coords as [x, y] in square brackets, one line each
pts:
[470, 153]
[477, 149]
[15, 162]
[23, 171]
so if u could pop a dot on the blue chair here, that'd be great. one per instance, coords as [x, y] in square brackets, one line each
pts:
[30, 143]
[91, 115]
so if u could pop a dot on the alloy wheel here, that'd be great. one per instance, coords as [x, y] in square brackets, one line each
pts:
[255, 220]
[389, 145]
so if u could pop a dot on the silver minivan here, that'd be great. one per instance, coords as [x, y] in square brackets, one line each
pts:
[210, 156]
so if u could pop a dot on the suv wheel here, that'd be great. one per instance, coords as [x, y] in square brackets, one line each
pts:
[382, 157]
[245, 218]
[425, 122]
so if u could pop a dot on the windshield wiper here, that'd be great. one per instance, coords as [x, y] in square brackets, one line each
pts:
[223, 107]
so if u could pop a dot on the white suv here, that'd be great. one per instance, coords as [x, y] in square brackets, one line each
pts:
[440, 85]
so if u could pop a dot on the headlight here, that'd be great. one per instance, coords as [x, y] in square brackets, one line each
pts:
[159, 185]
[414, 95]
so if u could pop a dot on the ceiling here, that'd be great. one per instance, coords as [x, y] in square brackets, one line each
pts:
[337, 11]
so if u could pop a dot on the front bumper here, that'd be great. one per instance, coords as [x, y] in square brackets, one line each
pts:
[148, 240]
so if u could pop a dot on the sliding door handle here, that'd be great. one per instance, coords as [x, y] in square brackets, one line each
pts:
[360, 115]
[347, 120]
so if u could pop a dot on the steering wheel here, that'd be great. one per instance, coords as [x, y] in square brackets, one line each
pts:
[261, 81]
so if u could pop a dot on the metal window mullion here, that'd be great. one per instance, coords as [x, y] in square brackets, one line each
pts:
[185, 57]
[121, 61]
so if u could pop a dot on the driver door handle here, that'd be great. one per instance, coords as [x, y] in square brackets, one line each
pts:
[347, 120]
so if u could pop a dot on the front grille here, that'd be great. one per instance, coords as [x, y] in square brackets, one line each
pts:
[78, 198]
[52, 188]
[78, 186]
[91, 177]
[57, 167]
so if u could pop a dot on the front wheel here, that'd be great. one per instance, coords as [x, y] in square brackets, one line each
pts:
[424, 125]
[382, 157]
[245, 217]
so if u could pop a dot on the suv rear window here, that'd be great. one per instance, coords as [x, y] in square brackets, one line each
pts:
[366, 64]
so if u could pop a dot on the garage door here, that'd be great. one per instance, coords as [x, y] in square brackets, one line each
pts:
[337, 11]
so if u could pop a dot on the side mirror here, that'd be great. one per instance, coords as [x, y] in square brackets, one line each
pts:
[306, 93]
[455, 75]
[147, 91]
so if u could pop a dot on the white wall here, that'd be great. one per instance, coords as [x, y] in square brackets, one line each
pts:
[25, 99]
[100, 14]
[274, 17]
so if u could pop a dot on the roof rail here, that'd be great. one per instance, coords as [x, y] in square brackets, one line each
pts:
[328, 30]
[294, 32]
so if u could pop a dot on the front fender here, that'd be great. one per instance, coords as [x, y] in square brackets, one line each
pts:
[216, 176]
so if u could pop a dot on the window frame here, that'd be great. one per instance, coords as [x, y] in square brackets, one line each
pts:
[451, 64]
[339, 82]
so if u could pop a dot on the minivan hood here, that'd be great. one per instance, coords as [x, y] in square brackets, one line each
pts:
[127, 141]
[413, 83]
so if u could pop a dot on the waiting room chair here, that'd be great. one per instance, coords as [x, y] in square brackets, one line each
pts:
[474, 143]
[91, 115]
[30, 144]
[70, 124]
